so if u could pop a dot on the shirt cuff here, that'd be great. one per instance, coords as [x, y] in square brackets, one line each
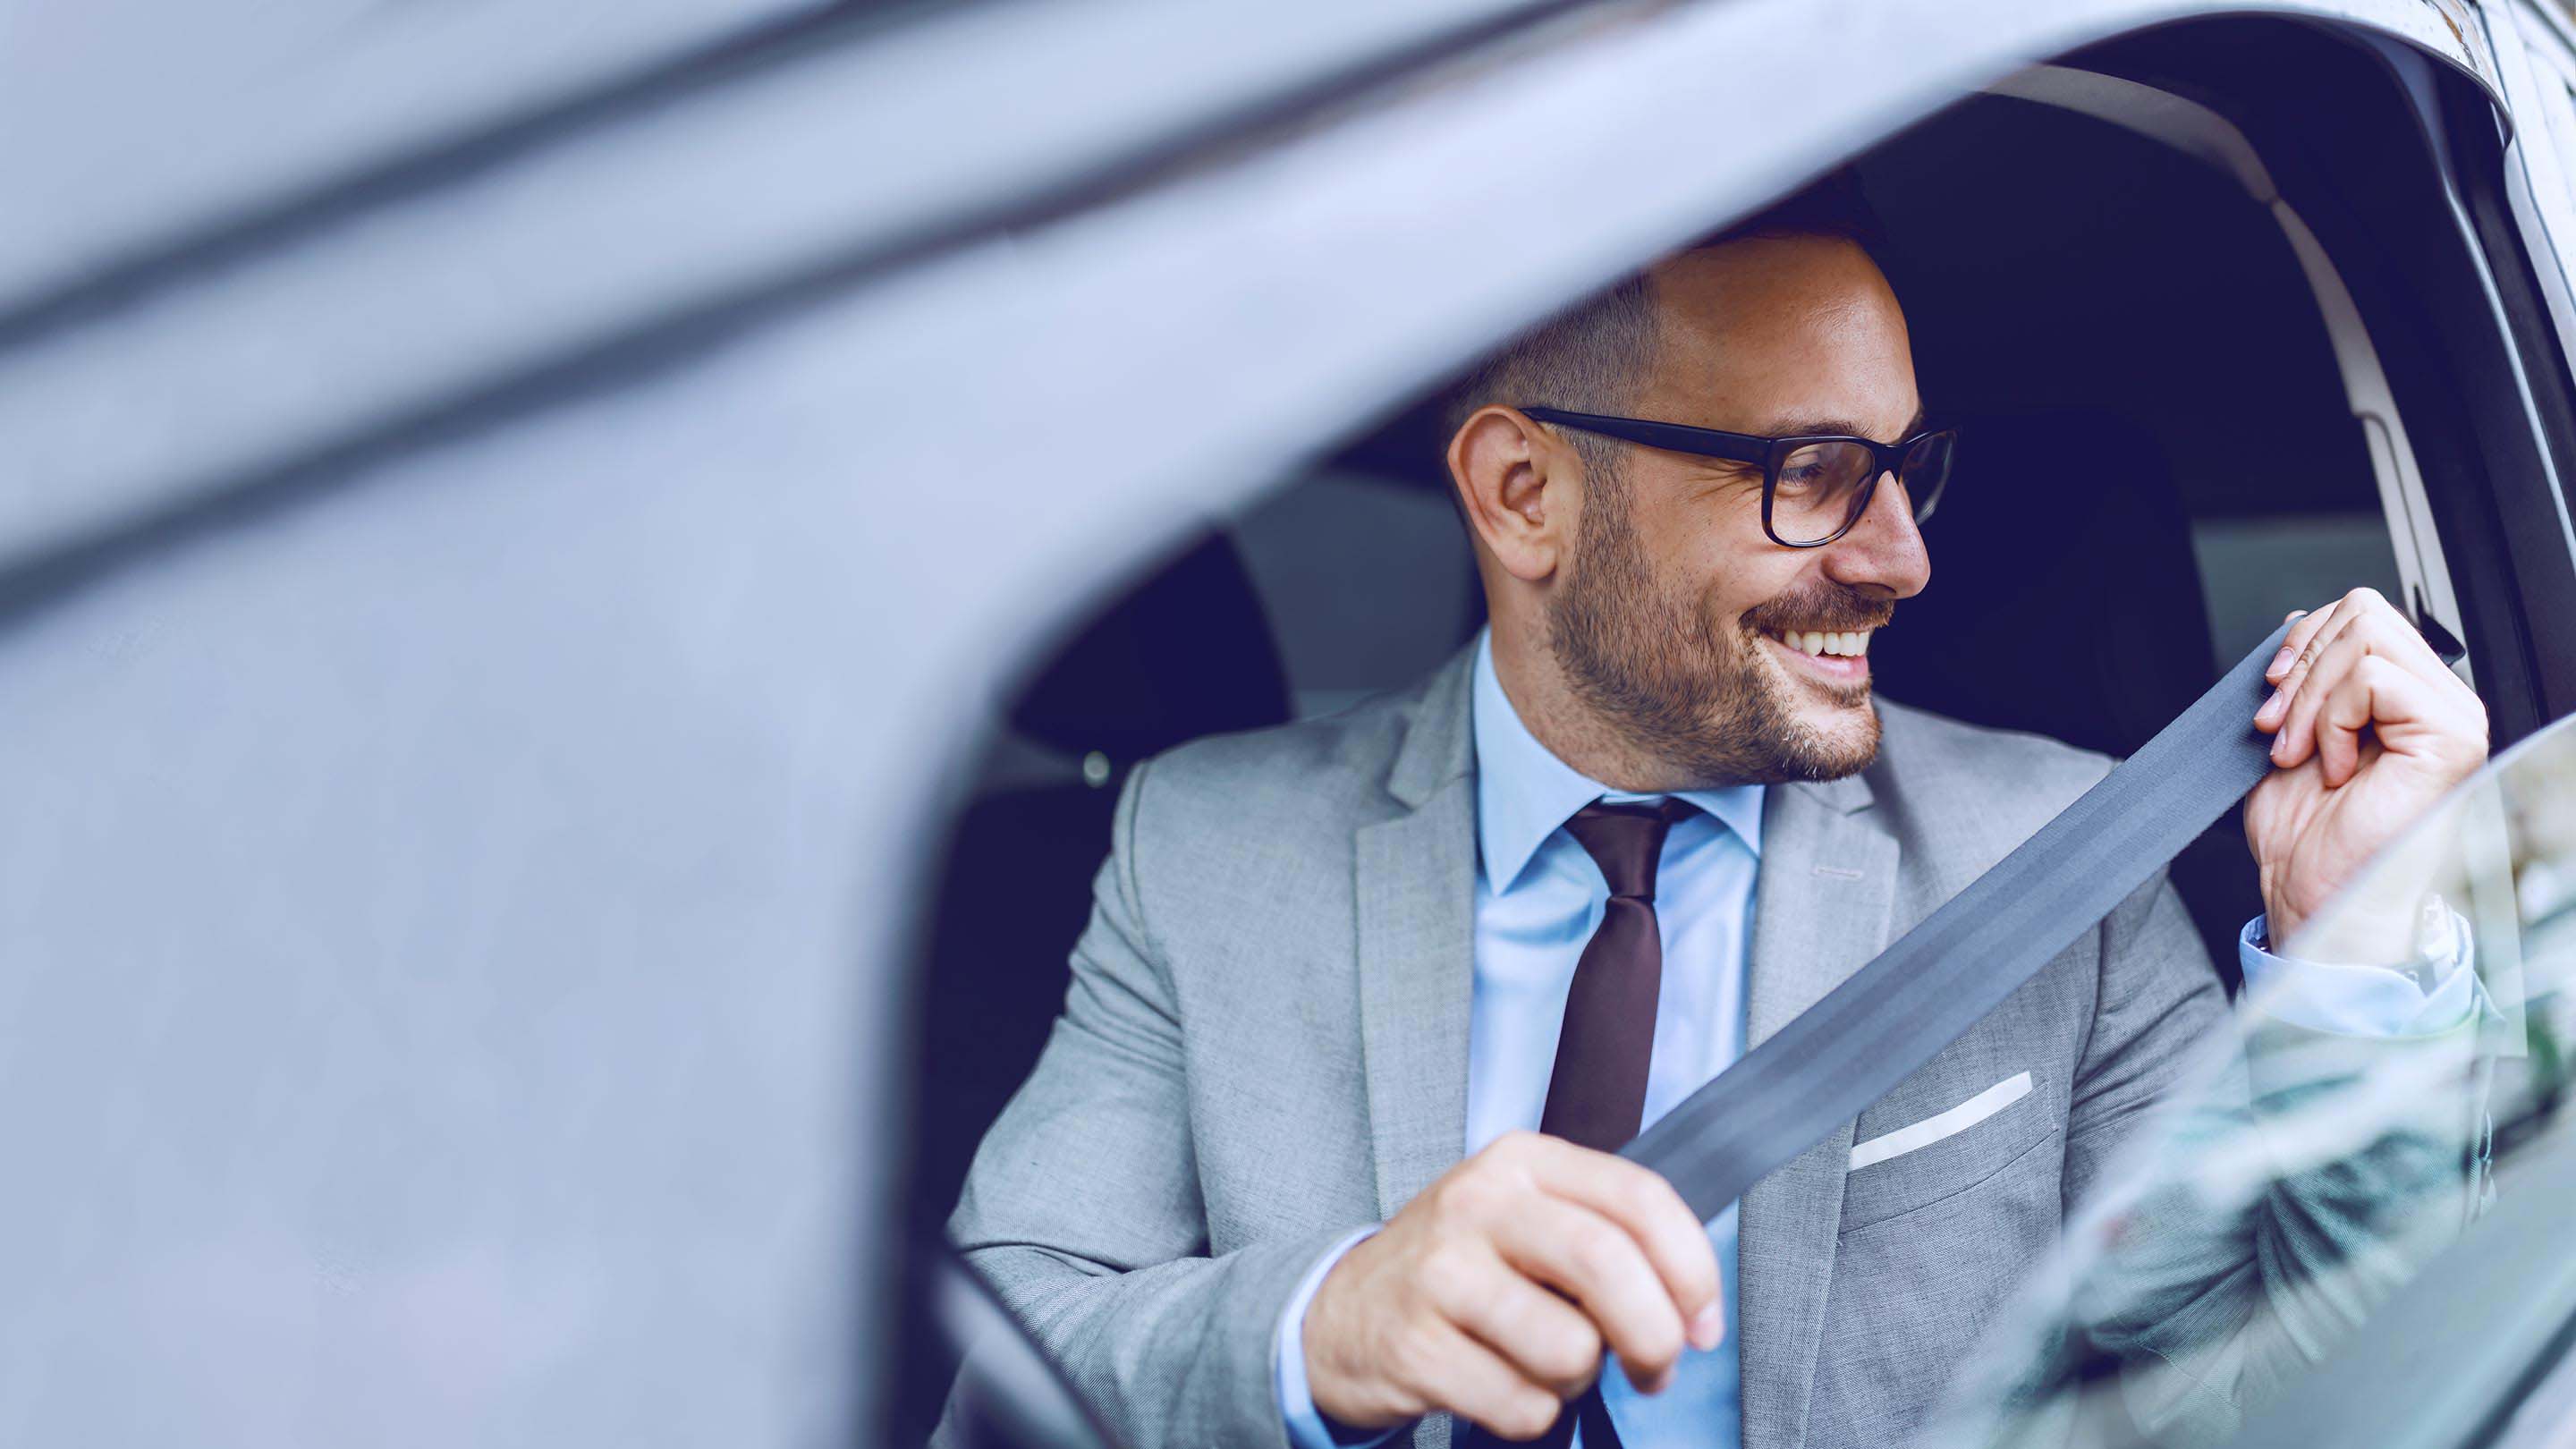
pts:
[2361, 1000]
[1307, 1426]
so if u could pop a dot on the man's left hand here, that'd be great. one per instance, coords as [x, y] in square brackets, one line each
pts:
[2369, 729]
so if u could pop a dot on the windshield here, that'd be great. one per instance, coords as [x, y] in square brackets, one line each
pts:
[2340, 1236]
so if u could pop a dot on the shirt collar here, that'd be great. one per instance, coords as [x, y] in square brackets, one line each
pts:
[1524, 792]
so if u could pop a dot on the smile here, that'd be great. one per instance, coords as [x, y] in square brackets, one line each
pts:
[1841, 657]
[1850, 644]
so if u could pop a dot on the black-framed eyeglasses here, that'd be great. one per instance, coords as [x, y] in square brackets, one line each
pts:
[1814, 486]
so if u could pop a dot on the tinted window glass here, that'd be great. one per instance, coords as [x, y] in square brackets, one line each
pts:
[2340, 1236]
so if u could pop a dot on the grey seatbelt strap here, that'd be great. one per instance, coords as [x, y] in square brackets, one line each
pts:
[1939, 979]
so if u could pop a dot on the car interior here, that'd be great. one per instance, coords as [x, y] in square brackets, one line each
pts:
[2160, 456]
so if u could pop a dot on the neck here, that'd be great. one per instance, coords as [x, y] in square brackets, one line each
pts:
[1573, 732]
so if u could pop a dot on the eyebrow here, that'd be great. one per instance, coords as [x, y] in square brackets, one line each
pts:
[1804, 427]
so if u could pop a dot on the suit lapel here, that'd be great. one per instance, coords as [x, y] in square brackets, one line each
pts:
[1416, 896]
[1417, 885]
[1821, 905]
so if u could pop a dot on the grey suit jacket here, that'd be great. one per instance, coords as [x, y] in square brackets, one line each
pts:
[1265, 1045]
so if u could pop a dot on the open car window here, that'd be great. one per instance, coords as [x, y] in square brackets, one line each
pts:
[2342, 1236]
[2220, 343]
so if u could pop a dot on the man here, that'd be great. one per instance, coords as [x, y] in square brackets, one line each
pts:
[1276, 1177]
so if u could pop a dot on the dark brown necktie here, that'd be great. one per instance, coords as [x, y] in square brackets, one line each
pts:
[1596, 1092]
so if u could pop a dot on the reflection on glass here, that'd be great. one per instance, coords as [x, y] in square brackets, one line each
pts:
[2339, 1236]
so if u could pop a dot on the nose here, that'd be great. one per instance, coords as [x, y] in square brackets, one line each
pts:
[1883, 553]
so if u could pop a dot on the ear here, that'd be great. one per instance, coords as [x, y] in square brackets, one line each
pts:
[1520, 487]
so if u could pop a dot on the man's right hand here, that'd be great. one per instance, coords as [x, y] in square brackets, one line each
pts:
[1492, 1294]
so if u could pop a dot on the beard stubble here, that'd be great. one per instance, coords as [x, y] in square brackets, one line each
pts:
[1689, 689]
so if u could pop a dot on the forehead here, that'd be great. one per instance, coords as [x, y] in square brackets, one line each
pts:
[1772, 334]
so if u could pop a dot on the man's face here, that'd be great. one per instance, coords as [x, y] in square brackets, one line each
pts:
[1672, 616]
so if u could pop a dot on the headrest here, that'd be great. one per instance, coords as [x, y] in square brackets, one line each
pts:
[2064, 597]
[1186, 653]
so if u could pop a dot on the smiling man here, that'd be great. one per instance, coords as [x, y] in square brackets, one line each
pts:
[1641, 630]
[1321, 1150]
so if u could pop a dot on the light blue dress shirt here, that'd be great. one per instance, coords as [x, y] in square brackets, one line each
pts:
[1539, 898]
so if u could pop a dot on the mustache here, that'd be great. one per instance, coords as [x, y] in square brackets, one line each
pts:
[1830, 609]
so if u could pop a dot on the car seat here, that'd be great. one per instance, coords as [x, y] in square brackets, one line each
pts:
[2066, 600]
[1184, 654]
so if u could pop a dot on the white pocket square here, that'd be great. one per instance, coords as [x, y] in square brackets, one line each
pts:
[1946, 1124]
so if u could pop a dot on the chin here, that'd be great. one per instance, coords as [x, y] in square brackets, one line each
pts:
[1836, 740]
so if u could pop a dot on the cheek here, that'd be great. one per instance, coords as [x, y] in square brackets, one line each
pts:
[1734, 582]
[1717, 556]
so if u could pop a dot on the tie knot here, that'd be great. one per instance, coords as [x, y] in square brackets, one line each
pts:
[1626, 841]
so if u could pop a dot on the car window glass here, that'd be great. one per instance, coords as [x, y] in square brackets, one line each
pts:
[2330, 1235]
[2551, 65]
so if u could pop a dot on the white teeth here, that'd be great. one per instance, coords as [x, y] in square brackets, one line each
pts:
[1849, 644]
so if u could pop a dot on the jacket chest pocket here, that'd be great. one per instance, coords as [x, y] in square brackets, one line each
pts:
[1923, 1143]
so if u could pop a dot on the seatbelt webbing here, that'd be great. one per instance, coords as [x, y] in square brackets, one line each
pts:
[1941, 978]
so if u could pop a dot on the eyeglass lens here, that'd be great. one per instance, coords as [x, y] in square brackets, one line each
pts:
[1823, 486]
[1926, 470]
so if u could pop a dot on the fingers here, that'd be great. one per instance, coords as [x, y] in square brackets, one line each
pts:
[1648, 1209]
[2297, 657]
[2401, 710]
[1536, 1252]
[2369, 686]
[1477, 1383]
[2385, 633]
[2303, 627]
[2304, 698]
[1543, 1337]
[1401, 1327]
[2356, 687]
[1600, 1267]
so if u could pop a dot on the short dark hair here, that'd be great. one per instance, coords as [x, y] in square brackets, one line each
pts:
[1587, 358]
